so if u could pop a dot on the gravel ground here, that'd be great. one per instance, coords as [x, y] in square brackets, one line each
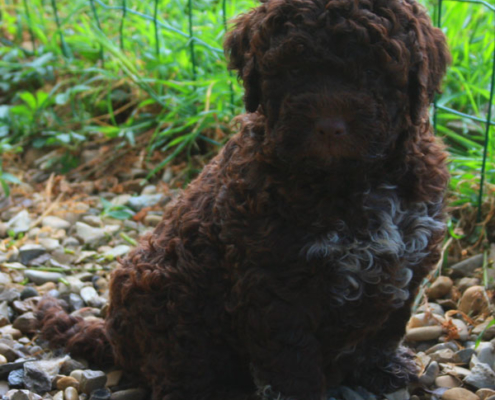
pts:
[62, 241]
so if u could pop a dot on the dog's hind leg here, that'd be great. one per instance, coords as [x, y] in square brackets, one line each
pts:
[164, 331]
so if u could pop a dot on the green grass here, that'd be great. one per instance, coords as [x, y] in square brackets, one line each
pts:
[60, 92]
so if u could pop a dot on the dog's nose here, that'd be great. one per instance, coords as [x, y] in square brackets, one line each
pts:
[331, 126]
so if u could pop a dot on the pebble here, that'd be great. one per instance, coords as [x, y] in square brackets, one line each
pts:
[443, 356]
[29, 292]
[8, 330]
[20, 222]
[152, 220]
[75, 285]
[9, 353]
[29, 252]
[75, 302]
[3, 360]
[440, 288]
[149, 189]
[117, 251]
[70, 365]
[59, 396]
[120, 200]
[70, 393]
[146, 200]
[100, 394]
[462, 329]
[447, 381]
[113, 378]
[9, 294]
[431, 372]
[3, 229]
[41, 277]
[463, 356]
[486, 355]
[22, 395]
[49, 244]
[26, 323]
[459, 394]
[93, 220]
[4, 387]
[4, 278]
[70, 242]
[168, 175]
[402, 394]
[91, 380]
[129, 394]
[465, 283]
[488, 333]
[91, 297]
[484, 394]
[424, 319]
[455, 370]
[466, 267]
[77, 374]
[473, 301]
[432, 308]
[424, 333]
[16, 378]
[4, 313]
[36, 378]
[24, 306]
[55, 222]
[481, 377]
[90, 235]
[67, 381]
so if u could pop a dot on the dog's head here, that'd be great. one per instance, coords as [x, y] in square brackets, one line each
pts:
[337, 79]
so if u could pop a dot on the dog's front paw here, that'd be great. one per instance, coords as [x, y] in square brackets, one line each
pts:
[389, 372]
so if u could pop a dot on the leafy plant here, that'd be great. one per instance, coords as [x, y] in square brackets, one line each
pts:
[115, 211]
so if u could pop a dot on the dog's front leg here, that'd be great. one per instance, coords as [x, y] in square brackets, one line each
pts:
[284, 352]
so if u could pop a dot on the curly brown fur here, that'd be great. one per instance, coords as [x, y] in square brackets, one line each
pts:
[82, 338]
[290, 264]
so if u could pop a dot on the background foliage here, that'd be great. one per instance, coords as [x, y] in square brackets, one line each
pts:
[154, 78]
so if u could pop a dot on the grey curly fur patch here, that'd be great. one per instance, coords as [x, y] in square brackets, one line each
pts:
[397, 234]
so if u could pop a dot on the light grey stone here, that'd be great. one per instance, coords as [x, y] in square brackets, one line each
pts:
[90, 235]
[20, 222]
[481, 377]
[55, 222]
[117, 251]
[91, 380]
[148, 200]
[41, 277]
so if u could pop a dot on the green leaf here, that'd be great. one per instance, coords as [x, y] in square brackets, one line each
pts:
[480, 336]
[10, 178]
[106, 204]
[29, 99]
[5, 187]
[119, 214]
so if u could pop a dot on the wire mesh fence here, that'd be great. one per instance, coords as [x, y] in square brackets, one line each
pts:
[487, 121]
[194, 43]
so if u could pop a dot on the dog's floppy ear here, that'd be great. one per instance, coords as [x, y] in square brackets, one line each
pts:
[429, 60]
[240, 51]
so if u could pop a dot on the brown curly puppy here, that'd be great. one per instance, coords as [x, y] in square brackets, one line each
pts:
[290, 264]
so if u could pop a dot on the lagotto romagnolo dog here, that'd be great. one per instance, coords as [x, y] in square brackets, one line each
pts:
[290, 264]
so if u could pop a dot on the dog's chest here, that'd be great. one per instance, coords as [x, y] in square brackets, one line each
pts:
[382, 258]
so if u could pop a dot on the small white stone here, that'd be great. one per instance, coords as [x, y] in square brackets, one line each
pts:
[55, 222]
